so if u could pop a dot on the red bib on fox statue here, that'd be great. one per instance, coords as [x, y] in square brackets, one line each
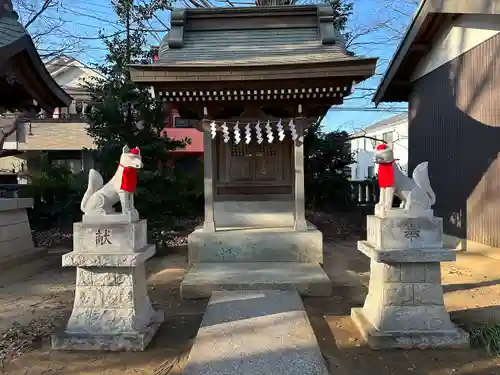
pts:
[129, 178]
[385, 170]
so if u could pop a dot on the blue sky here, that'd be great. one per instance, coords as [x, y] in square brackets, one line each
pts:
[379, 22]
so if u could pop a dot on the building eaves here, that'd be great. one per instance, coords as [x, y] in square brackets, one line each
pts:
[382, 124]
[429, 16]
[15, 41]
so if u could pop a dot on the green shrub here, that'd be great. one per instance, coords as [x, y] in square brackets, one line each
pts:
[56, 193]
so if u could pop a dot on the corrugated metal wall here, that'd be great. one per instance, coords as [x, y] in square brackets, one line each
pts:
[455, 124]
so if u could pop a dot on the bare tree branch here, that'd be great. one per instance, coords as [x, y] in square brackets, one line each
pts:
[46, 5]
[44, 22]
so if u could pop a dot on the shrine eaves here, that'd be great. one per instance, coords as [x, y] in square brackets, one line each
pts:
[218, 62]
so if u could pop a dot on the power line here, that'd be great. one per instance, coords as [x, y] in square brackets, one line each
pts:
[105, 21]
[94, 4]
[368, 109]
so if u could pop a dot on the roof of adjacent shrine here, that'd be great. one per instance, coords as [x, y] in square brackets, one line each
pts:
[251, 38]
[19, 55]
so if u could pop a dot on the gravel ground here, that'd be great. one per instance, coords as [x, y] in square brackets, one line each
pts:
[31, 308]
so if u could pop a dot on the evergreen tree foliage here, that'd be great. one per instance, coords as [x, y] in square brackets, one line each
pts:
[327, 154]
[124, 113]
[327, 157]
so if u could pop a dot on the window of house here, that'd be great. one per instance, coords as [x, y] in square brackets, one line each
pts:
[388, 137]
[185, 123]
[74, 165]
[371, 172]
[79, 107]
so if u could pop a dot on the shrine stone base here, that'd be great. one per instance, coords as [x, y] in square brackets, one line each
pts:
[112, 310]
[404, 307]
[271, 258]
[271, 244]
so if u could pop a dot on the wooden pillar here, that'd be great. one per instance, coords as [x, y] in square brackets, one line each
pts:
[208, 144]
[299, 194]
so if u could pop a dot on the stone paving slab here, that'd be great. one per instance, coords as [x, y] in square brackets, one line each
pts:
[308, 279]
[255, 333]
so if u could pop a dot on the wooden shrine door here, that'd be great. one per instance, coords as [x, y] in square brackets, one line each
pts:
[254, 168]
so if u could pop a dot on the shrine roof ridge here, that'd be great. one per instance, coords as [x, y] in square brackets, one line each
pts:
[252, 36]
[250, 10]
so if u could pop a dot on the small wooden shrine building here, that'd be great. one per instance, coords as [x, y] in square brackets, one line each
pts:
[255, 78]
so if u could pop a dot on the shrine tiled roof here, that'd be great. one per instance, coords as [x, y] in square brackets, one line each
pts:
[252, 36]
[10, 30]
[253, 53]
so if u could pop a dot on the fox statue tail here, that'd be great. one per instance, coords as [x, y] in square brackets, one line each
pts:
[95, 183]
[421, 178]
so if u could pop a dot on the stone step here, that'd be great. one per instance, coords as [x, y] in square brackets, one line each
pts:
[308, 279]
[276, 244]
[255, 332]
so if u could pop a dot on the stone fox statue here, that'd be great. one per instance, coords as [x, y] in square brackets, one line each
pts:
[99, 198]
[415, 193]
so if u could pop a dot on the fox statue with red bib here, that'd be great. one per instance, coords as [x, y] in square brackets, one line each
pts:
[416, 193]
[99, 199]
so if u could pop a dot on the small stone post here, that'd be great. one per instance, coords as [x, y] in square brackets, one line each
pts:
[111, 310]
[404, 307]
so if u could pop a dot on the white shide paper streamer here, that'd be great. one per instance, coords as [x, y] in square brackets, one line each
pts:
[269, 131]
[225, 132]
[258, 132]
[248, 134]
[291, 125]
[213, 129]
[237, 133]
[281, 131]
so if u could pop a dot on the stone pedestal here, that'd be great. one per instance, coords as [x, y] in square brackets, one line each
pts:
[112, 310]
[16, 242]
[404, 307]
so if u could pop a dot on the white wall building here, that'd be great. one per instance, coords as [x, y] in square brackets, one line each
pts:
[61, 136]
[394, 131]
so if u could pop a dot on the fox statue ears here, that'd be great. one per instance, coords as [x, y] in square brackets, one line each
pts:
[135, 150]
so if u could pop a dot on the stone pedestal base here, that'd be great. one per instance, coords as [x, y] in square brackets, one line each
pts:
[122, 341]
[281, 244]
[376, 339]
[405, 307]
[16, 243]
[112, 310]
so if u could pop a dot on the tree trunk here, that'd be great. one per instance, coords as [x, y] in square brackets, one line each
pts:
[8, 126]
[6, 131]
